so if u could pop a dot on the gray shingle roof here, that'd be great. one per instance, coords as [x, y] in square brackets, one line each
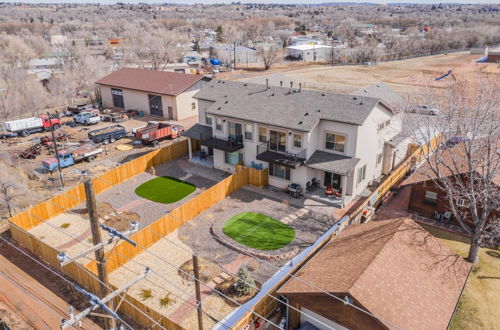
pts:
[199, 132]
[383, 92]
[278, 107]
[329, 162]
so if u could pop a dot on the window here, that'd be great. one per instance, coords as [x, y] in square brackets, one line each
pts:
[277, 141]
[193, 105]
[380, 126]
[208, 120]
[279, 171]
[379, 159]
[335, 142]
[297, 141]
[218, 124]
[431, 197]
[248, 131]
[233, 158]
[463, 202]
[262, 134]
[387, 123]
[361, 174]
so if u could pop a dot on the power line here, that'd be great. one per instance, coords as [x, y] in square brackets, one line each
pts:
[51, 308]
[279, 270]
[95, 277]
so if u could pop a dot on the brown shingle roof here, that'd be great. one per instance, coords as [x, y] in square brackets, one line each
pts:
[393, 268]
[454, 161]
[158, 82]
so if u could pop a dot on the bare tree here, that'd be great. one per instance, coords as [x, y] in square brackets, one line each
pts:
[465, 163]
[269, 56]
[8, 193]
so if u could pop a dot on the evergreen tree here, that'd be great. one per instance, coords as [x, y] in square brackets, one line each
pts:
[245, 283]
[220, 34]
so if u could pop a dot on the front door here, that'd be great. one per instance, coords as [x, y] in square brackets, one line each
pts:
[170, 113]
[333, 179]
[235, 132]
[155, 106]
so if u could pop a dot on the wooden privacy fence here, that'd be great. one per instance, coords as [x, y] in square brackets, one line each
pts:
[123, 252]
[76, 195]
[415, 156]
[149, 235]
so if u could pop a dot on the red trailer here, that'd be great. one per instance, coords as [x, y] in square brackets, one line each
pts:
[153, 133]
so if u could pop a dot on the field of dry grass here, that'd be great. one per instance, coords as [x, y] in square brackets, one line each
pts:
[478, 307]
[403, 76]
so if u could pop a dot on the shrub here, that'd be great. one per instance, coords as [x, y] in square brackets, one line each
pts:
[244, 284]
[65, 225]
[146, 294]
[165, 301]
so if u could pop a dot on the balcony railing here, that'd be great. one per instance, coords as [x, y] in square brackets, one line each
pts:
[229, 144]
[293, 160]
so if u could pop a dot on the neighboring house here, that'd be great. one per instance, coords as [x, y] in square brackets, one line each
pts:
[428, 200]
[47, 65]
[309, 53]
[227, 52]
[393, 269]
[493, 55]
[298, 134]
[165, 94]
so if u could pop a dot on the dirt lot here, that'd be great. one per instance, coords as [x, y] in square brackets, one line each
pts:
[31, 297]
[403, 76]
[24, 174]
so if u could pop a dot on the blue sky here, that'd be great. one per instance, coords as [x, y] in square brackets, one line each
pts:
[252, 1]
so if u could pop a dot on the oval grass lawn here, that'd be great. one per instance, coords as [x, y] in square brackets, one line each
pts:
[258, 231]
[165, 189]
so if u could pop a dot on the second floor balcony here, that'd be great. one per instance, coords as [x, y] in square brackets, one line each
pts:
[229, 144]
[266, 153]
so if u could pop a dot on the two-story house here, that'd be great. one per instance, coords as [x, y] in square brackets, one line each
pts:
[301, 136]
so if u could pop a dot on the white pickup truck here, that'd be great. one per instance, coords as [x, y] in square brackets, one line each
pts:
[87, 118]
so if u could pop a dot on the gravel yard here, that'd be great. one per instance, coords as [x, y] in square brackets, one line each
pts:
[122, 197]
[196, 233]
[175, 253]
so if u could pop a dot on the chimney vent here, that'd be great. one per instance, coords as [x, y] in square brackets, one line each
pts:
[300, 87]
[281, 83]
[267, 84]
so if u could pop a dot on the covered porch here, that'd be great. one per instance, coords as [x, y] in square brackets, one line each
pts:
[204, 156]
[333, 178]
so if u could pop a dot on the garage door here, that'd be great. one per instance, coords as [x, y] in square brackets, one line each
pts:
[155, 106]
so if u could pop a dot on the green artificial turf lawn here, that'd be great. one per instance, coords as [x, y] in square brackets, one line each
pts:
[258, 231]
[165, 189]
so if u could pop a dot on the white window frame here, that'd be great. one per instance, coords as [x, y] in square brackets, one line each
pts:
[217, 120]
[334, 142]
[299, 140]
[208, 120]
[431, 196]
[265, 136]
[250, 132]
[361, 174]
[463, 203]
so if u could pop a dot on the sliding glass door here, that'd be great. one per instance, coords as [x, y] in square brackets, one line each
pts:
[235, 132]
[277, 141]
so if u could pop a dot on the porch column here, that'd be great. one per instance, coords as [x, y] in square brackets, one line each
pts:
[190, 148]
[343, 180]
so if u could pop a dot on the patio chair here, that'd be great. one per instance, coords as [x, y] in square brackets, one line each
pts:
[314, 182]
[329, 191]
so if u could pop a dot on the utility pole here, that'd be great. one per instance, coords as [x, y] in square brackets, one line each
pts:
[110, 323]
[57, 153]
[198, 293]
[234, 57]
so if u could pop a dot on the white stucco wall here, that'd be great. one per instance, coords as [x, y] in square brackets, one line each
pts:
[184, 107]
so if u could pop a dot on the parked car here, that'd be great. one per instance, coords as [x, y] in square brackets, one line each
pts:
[107, 134]
[424, 110]
[86, 118]
[71, 157]
[27, 126]
[82, 107]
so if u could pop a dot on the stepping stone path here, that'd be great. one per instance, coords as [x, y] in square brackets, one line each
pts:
[300, 213]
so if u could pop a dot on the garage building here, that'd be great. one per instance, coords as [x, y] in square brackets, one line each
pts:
[165, 94]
